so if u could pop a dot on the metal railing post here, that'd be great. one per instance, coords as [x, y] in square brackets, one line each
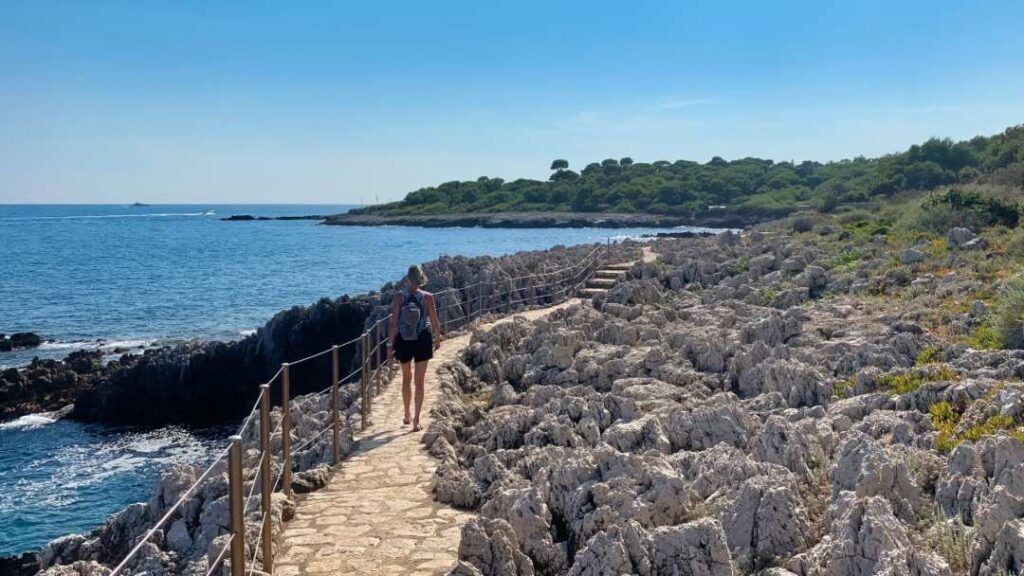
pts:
[444, 323]
[368, 362]
[237, 518]
[335, 407]
[376, 349]
[286, 430]
[390, 351]
[266, 489]
[364, 381]
[466, 308]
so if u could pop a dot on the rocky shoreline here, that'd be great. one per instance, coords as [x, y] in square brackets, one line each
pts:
[176, 384]
[20, 340]
[251, 218]
[798, 400]
[50, 385]
[763, 403]
[190, 542]
[204, 382]
[544, 220]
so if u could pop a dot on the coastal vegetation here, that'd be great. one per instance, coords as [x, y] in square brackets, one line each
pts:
[811, 391]
[790, 368]
[784, 394]
[750, 186]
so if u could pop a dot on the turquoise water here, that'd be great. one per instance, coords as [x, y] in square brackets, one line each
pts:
[113, 276]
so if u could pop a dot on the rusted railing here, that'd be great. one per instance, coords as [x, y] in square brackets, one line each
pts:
[457, 309]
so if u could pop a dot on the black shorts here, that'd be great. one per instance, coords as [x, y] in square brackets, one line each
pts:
[420, 349]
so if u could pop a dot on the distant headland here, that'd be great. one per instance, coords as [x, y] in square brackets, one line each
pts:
[619, 193]
[541, 220]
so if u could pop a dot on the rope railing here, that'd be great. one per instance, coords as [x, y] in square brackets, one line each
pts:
[220, 557]
[375, 366]
[168, 514]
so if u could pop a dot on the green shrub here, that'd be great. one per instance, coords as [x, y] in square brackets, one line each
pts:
[944, 419]
[846, 259]
[853, 217]
[1015, 244]
[907, 382]
[844, 388]
[973, 206]
[951, 540]
[984, 337]
[991, 425]
[803, 224]
[739, 266]
[1007, 319]
[929, 355]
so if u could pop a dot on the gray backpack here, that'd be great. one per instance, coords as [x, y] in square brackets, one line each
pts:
[409, 318]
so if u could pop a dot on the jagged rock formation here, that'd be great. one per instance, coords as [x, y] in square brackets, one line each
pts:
[49, 385]
[193, 537]
[736, 407]
[189, 543]
[20, 340]
[209, 382]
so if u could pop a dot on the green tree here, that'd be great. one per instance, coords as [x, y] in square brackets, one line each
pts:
[755, 186]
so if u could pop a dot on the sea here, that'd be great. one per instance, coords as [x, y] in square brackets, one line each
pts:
[117, 277]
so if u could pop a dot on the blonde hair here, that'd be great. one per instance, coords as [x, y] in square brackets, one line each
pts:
[416, 276]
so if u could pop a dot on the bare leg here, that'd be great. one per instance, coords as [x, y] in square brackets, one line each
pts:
[421, 374]
[406, 387]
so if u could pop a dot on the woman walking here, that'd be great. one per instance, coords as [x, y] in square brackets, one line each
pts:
[415, 334]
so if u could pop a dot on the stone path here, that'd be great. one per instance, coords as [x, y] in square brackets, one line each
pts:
[377, 515]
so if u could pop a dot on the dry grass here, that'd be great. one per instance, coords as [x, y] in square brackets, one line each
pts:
[949, 538]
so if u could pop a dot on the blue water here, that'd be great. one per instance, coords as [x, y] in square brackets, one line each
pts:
[62, 477]
[115, 276]
[124, 275]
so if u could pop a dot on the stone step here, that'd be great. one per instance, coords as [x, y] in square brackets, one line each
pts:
[619, 266]
[601, 282]
[590, 292]
[616, 274]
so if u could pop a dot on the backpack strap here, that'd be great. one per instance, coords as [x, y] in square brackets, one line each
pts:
[409, 298]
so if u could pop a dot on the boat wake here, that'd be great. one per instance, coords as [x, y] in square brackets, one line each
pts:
[104, 216]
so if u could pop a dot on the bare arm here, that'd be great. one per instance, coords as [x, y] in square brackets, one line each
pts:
[396, 309]
[432, 310]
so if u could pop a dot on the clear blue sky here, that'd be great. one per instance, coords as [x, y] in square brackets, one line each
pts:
[342, 102]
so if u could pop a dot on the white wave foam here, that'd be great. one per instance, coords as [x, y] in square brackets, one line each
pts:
[29, 421]
[137, 343]
[62, 477]
[102, 345]
[248, 332]
[638, 238]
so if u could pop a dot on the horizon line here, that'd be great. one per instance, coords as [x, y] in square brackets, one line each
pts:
[129, 204]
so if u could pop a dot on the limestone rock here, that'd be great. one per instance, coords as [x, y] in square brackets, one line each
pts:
[764, 521]
[913, 256]
[957, 237]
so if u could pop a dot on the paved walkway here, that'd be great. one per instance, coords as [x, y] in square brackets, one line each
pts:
[378, 515]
